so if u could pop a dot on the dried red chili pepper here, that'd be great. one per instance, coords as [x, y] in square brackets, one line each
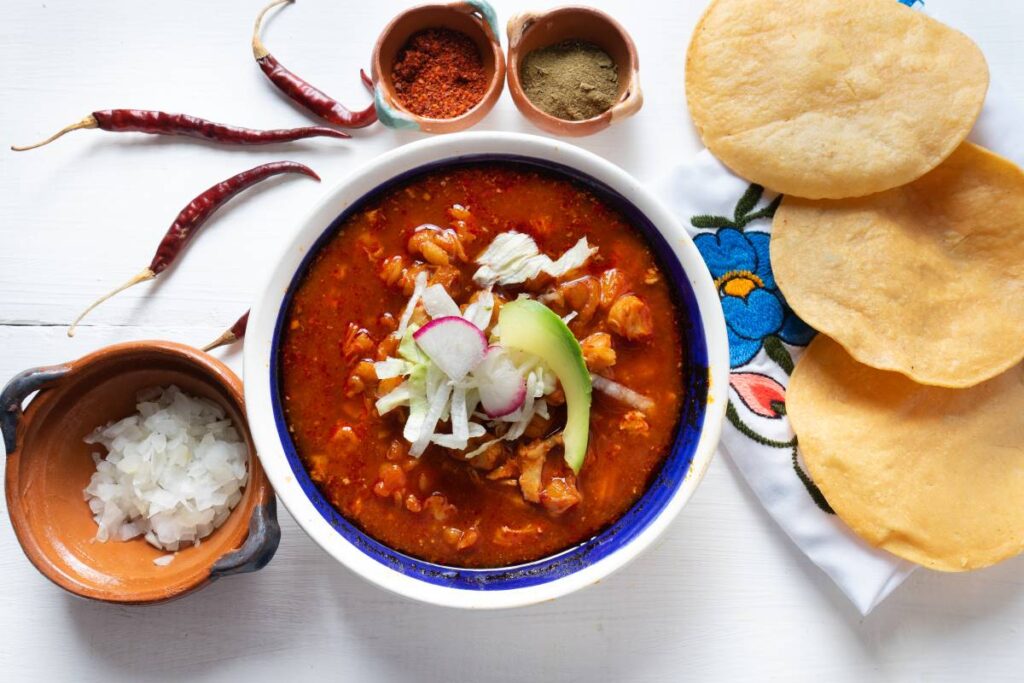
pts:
[231, 335]
[193, 216]
[302, 92]
[162, 123]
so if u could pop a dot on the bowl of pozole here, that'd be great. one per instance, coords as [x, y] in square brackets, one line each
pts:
[488, 370]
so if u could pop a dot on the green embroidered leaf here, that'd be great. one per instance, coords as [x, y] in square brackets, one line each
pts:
[812, 489]
[705, 221]
[748, 201]
[778, 352]
[766, 212]
[778, 406]
[734, 417]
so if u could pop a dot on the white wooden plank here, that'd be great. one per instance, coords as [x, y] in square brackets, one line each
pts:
[725, 597]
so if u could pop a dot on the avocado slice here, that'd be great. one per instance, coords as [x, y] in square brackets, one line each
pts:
[532, 327]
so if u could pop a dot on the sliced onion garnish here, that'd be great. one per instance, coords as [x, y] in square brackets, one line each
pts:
[439, 392]
[421, 284]
[399, 396]
[480, 311]
[621, 393]
[438, 302]
[392, 367]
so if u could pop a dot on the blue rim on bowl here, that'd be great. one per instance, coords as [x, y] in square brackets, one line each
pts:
[705, 365]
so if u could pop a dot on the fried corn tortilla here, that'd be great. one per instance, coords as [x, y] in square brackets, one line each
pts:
[829, 98]
[933, 475]
[926, 279]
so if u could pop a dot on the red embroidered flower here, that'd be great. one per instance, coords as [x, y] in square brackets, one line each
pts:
[760, 393]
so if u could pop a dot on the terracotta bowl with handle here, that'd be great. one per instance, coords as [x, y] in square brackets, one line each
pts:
[474, 18]
[530, 31]
[49, 464]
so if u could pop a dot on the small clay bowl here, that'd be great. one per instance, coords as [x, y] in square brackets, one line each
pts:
[476, 19]
[48, 465]
[531, 30]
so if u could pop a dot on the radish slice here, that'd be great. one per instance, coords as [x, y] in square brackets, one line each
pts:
[454, 344]
[501, 385]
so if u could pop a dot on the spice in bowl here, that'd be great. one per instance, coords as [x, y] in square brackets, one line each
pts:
[573, 80]
[439, 74]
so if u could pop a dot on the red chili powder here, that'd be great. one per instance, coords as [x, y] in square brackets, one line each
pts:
[439, 74]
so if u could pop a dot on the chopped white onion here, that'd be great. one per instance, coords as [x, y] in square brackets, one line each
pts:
[172, 474]
[417, 292]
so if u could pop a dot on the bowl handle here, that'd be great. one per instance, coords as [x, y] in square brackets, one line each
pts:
[260, 545]
[14, 394]
[632, 102]
[483, 10]
[518, 25]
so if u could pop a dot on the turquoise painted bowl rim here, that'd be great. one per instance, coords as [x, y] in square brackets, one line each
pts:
[576, 567]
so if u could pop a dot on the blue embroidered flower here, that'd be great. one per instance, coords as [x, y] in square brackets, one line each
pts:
[754, 308]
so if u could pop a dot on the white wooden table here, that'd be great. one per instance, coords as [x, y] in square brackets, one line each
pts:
[725, 596]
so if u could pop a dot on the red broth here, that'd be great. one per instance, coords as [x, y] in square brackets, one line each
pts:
[440, 507]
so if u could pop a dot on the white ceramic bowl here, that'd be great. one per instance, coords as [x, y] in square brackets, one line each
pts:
[705, 355]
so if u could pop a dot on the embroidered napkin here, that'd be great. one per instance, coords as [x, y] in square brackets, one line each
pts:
[730, 222]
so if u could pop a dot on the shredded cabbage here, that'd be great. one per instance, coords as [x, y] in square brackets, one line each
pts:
[513, 258]
[417, 292]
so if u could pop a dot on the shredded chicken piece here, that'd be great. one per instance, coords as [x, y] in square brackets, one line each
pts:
[583, 296]
[496, 454]
[438, 247]
[598, 352]
[446, 276]
[531, 458]
[634, 421]
[538, 427]
[507, 470]
[556, 397]
[630, 317]
[507, 536]
[613, 285]
[560, 494]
